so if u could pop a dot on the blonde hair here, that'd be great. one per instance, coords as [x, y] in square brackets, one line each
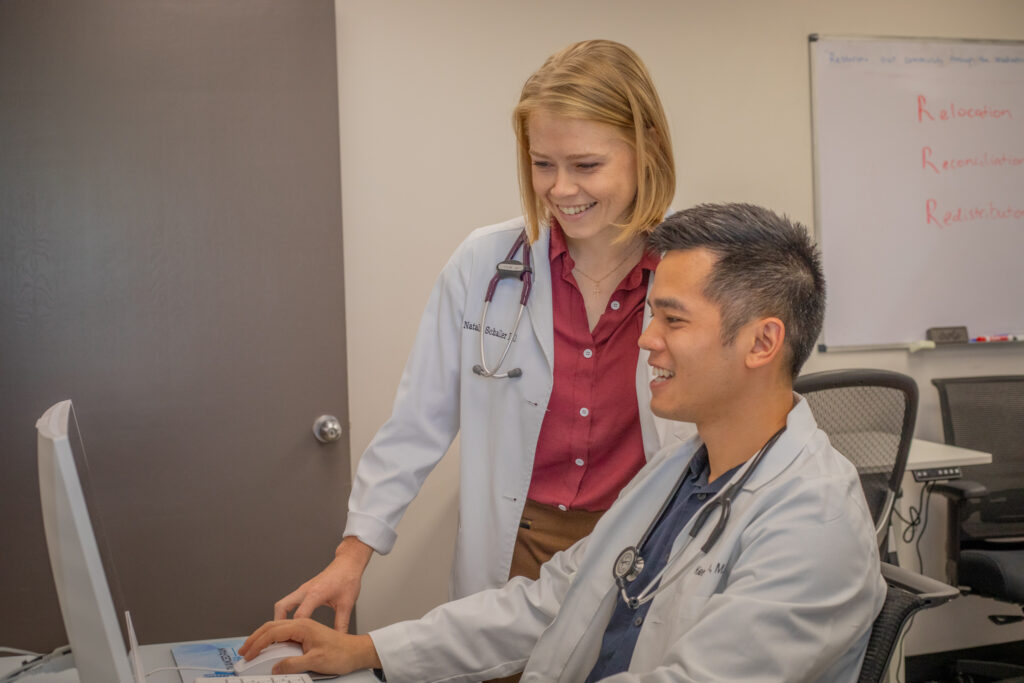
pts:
[602, 81]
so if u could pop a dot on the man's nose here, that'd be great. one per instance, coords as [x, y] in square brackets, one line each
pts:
[649, 339]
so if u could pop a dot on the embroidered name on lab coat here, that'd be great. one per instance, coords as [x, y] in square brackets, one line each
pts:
[494, 332]
[716, 568]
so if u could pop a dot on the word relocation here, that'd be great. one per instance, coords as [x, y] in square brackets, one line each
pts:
[958, 112]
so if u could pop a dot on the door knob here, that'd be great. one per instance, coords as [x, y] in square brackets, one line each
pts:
[327, 428]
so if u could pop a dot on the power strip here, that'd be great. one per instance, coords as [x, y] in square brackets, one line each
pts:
[937, 474]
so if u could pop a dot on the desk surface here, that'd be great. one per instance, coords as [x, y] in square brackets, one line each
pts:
[930, 454]
[158, 656]
[153, 657]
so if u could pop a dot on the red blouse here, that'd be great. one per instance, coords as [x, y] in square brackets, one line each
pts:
[590, 442]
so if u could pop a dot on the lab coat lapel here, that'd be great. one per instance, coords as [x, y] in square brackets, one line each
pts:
[539, 307]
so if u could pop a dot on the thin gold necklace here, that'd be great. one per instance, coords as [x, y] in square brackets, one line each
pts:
[598, 280]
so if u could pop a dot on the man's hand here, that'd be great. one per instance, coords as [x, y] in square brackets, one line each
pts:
[324, 650]
[337, 586]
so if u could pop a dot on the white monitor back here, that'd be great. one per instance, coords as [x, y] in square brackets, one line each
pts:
[82, 588]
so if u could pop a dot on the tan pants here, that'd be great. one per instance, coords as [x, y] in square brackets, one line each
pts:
[543, 531]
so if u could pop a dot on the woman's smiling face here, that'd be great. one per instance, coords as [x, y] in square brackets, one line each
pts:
[584, 172]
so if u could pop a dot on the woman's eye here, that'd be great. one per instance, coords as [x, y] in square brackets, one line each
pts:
[589, 166]
[541, 164]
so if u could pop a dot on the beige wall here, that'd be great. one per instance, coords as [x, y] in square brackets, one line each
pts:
[427, 154]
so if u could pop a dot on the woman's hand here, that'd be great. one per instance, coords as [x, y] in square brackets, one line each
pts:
[337, 586]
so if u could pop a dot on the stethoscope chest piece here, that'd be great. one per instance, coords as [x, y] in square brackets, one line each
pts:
[628, 565]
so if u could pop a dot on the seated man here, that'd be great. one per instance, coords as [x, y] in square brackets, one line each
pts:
[745, 554]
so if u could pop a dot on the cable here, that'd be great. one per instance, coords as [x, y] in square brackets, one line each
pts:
[912, 534]
[924, 524]
[918, 518]
[915, 519]
[899, 662]
[37, 661]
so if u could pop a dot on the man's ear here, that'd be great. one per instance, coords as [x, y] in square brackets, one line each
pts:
[769, 339]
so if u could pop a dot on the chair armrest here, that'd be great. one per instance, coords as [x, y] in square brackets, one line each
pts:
[960, 490]
[928, 589]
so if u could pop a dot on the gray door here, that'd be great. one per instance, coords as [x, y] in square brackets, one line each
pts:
[171, 260]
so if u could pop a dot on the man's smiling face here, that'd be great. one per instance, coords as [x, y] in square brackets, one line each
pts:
[695, 376]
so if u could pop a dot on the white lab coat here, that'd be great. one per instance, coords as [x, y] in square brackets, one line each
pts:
[788, 593]
[498, 420]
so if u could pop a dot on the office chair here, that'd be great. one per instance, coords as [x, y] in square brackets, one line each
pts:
[869, 417]
[986, 509]
[908, 592]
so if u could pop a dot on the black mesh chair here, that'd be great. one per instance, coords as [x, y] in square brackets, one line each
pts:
[986, 507]
[869, 417]
[908, 593]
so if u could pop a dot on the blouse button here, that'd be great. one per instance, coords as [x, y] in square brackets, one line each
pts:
[587, 353]
[616, 305]
[579, 461]
[584, 412]
[562, 508]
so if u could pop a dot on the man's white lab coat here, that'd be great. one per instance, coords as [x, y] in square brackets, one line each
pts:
[788, 593]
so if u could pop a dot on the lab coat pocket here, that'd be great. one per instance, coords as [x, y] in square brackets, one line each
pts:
[671, 616]
[678, 609]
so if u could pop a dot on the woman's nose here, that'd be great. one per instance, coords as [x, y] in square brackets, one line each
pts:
[565, 184]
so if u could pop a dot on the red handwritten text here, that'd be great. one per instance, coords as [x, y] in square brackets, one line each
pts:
[969, 214]
[954, 111]
[982, 161]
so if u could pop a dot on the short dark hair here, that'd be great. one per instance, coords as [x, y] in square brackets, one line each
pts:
[767, 266]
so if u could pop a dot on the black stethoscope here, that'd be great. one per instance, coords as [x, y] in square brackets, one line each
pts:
[506, 269]
[630, 563]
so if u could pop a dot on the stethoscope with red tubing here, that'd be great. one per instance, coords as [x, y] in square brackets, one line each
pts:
[630, 563]
[509, 268]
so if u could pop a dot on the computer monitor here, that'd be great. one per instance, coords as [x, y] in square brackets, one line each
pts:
[82, 589]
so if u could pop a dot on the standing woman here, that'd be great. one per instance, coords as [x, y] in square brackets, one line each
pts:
[552, 407]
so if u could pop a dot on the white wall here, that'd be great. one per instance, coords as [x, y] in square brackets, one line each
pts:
[426, 92]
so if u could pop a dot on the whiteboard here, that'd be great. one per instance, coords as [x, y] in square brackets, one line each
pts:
[919, 186]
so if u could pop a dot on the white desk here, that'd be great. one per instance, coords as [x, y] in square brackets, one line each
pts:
[157, 656]
[929, 454]
[153, 657]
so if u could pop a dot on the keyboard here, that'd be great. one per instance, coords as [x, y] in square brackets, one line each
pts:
[273, 678]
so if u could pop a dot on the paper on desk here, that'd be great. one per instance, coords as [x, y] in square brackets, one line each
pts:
[193, 659]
